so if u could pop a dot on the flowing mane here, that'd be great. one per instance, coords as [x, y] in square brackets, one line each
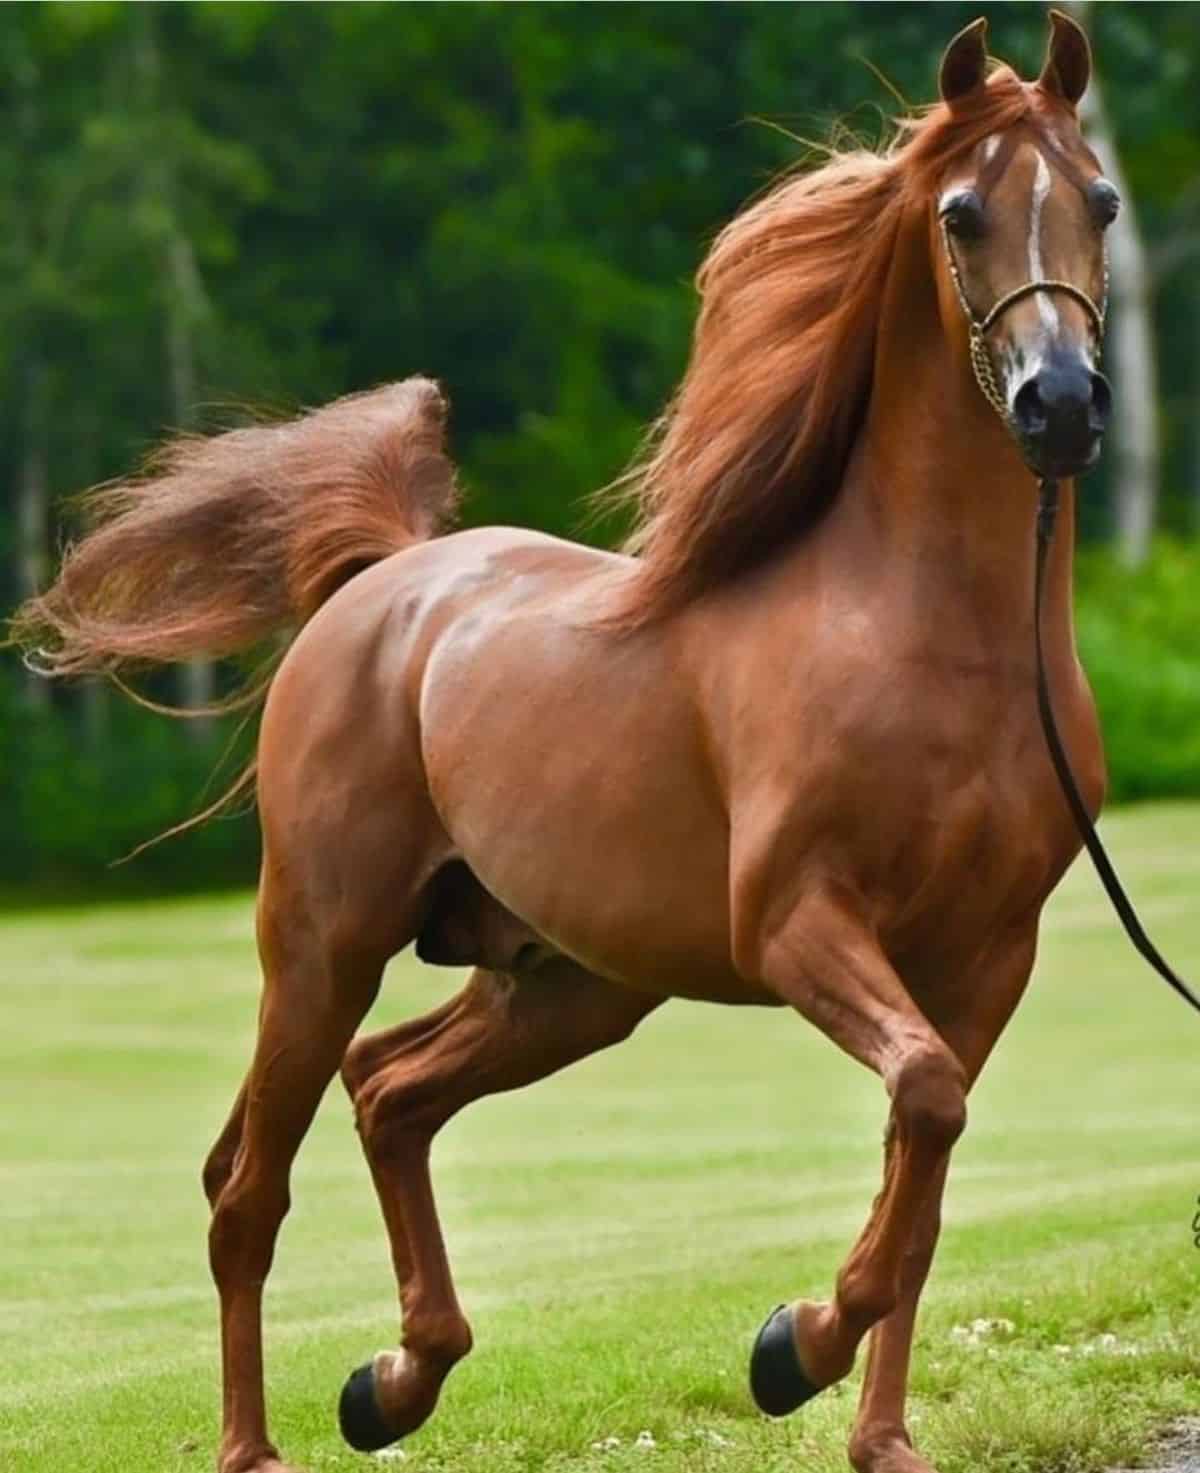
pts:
[753, 447]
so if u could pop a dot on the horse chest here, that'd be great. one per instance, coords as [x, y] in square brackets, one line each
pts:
[976, 834]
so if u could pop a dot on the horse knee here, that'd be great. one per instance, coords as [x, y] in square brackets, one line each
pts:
[930, 1098]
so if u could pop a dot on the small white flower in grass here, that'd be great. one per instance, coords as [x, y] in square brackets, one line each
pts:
[974, 1334]
[1108, 1344]
[702, 1434]
[391, 1454]
[606, 1445]
[645, 1440]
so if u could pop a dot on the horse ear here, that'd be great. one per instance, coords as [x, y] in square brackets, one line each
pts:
[964, 66]
[1068, 64]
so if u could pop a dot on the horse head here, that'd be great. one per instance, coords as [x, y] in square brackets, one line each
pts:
[1018, 226]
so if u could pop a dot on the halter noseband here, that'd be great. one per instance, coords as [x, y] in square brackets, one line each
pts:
[981, 357]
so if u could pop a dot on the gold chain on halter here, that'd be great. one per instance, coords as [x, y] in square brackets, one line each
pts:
[980, 353]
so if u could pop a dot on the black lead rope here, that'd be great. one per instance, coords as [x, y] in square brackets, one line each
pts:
[1047, 514]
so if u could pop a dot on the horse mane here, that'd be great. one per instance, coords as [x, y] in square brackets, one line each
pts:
[753, 447]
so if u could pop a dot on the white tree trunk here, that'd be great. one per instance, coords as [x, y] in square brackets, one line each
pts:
[33, 509]
[1130, 347]
[32, 490]
[184, 303]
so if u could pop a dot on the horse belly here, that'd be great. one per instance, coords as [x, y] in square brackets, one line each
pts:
[567, 771]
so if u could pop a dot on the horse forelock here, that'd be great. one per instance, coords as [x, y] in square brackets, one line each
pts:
[753, 447]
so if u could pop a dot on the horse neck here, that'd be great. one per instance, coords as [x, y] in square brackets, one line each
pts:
[937, 500]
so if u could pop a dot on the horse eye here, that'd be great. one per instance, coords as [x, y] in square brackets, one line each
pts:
[1103, 201]
[962, 215]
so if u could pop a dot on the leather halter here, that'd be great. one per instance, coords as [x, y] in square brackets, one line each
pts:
[1047, 514]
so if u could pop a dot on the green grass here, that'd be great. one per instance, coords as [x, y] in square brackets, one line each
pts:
[618, 1232]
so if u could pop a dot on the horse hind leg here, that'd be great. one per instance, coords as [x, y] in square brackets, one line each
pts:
[502, 1032]
[218, 1168]
[316, 991]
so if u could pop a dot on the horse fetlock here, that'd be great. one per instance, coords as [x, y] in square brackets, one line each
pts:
[884, 1447]
[825, 1339]
[439, 1338]
[249, 1457]
[865, 1295]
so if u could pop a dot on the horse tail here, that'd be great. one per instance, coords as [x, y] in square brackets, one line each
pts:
[222, 541]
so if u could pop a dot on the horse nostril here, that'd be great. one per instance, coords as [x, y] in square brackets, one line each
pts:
[1029, 410]
[1059, 414]
[1101, 407]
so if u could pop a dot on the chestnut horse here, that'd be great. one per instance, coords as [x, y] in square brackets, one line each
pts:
[786, 754]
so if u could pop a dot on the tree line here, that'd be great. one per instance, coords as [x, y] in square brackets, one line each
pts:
[215, 206]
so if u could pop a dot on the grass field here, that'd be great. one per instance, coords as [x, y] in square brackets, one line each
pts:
[619, 1231]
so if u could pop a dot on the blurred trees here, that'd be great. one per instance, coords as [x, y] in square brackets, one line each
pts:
[1134, 438]
[262, 203]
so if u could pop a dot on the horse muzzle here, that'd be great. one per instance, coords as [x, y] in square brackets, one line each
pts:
[1059, 415]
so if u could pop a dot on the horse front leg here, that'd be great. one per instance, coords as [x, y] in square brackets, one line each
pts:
[880, 1442]
[827, 963]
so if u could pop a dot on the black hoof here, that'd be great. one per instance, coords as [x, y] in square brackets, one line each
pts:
[777, 1383]
[359, 1416]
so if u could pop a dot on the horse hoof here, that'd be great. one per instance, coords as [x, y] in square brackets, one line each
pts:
[777, 1382]
[359, 1416]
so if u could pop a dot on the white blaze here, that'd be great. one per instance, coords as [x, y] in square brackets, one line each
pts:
[1041, 188]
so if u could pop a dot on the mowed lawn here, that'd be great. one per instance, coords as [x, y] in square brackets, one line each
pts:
[619, 1231]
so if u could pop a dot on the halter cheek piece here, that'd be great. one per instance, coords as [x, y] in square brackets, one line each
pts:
[1047, 512]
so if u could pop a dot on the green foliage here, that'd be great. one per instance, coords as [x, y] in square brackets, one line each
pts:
[82, 788]
[212, 204]
[1138, 639]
